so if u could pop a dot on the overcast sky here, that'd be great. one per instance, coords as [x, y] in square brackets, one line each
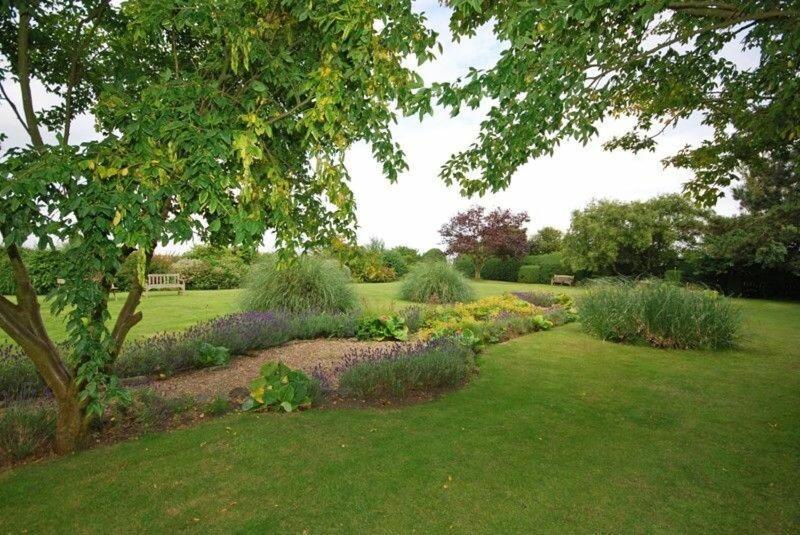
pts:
[411, 211]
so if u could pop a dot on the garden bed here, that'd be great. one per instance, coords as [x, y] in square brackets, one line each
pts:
[304, 355]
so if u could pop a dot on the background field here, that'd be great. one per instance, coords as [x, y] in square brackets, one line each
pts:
[559, 431]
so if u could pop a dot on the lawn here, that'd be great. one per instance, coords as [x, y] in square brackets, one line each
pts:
[558, 432]
[168, 311]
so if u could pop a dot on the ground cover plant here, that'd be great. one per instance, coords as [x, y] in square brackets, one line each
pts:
[307, 283]
[435, 282]
[660, 314]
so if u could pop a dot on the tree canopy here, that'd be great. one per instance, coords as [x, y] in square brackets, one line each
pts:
[568, 65]
[546, 240]
[480, 235]
[635, 238]
[221, 119]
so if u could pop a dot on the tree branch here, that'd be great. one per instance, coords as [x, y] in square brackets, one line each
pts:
[72, 78]
[24, 74]
[13, 107]
[128, 317]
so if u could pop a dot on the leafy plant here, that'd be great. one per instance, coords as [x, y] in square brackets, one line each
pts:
[386, 327]
[310, 283]
[435, 282]
[281, 388]
[210, 355]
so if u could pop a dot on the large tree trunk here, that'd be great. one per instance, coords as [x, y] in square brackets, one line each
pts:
[71, 423]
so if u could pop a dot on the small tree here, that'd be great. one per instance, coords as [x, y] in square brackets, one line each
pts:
[221, 119]
[480, 235]
[546, 240]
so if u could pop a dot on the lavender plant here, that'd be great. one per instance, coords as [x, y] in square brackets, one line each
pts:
[396, 370]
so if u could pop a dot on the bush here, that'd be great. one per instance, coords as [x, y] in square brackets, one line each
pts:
[220, 274]
[500, 269]
[659, 314]
[549, 264]
[435, 282]
[25, 431]
[208, 356]
[395, 371]
[434, 255]
[396, 261]
[529, 274]
[308, 283]
[465, 265]
[410, 255]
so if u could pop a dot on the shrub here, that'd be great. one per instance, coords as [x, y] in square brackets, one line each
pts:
[434, 255]
[218, 406]
[465, 265]
[395, 260]
[529, 274]
[500, 269]
[659, 314]
[409, 254]
[149, 410]
[549, 264]
[220, 274]
[435, 282]
[25, 431]
[308, 283]
[382, 328]
[279, 387]
[395, 371]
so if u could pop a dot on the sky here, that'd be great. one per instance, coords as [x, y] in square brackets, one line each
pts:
[411, 211]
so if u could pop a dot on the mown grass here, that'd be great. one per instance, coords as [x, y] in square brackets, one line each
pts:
[168, 311]
[559, 432]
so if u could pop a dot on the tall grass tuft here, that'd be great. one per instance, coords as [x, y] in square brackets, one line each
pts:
[25, 431]
[659, 314]
[308, 283]
[435, 282]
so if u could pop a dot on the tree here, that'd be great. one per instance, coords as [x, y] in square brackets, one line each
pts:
[480, 235]
[757, 252]
[635, 238]
[568, 65]
[409, 254]
[220, 119]
[546, 240]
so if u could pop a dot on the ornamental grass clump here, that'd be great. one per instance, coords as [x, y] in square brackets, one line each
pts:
[659, 314]
[435, 282]
[18, 376]
[395, 371]
[25, 431]
[307, 283]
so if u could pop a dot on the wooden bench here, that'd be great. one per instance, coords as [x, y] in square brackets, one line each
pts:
[566, 280]
[165, 281]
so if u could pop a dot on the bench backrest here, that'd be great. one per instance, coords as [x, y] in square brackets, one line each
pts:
[563, 278]
[164, 279]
